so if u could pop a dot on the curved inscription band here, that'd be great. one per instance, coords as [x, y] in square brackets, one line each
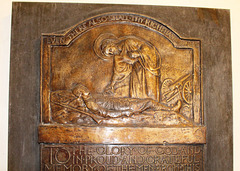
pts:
[117, 18]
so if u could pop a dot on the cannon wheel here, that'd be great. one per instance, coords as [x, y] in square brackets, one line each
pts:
[187, 92]
[165, 87]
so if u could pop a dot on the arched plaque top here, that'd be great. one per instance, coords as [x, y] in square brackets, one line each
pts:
[121, 69]
[72, 33]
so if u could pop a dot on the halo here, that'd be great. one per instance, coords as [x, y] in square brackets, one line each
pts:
[98, 42]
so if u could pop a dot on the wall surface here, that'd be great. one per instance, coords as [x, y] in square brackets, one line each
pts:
[4, 70]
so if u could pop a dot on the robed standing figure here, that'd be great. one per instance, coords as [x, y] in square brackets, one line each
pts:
[136, 66]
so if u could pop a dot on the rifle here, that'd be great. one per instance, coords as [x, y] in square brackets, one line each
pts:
[94, 117]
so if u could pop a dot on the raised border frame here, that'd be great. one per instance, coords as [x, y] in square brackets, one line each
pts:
[64, 133]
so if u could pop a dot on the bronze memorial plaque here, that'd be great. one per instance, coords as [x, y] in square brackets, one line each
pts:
[121, 91]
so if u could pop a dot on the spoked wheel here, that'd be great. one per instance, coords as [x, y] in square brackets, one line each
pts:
[187, 92]
[165, 88]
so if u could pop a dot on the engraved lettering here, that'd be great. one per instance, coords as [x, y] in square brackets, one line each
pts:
[77, 168]
[121, 73]
[100, 150]
[46, 167]
[65, 155]
[67, 167]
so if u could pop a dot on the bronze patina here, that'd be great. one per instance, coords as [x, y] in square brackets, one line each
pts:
[121, 78]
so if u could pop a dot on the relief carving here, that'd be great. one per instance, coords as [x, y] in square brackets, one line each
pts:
[121, 70]
[134, 87]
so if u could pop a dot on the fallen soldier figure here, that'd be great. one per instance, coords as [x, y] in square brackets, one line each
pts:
[115, 107]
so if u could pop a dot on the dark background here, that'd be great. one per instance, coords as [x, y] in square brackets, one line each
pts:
[29, 20]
